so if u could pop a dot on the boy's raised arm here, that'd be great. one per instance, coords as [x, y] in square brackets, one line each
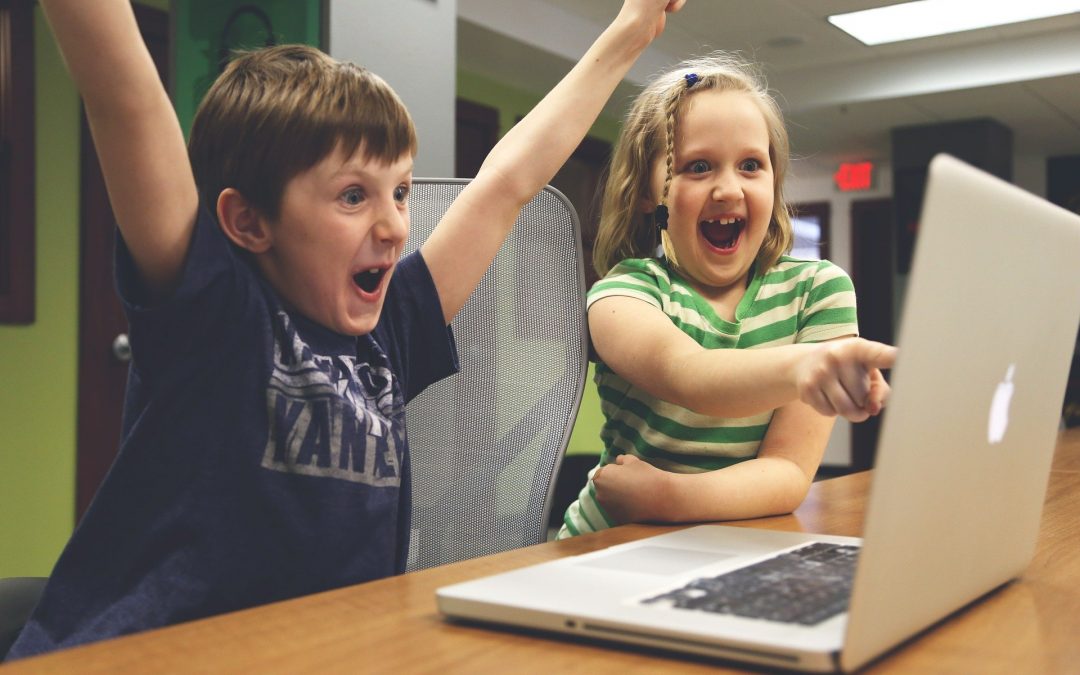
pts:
[463, 245]
[136, 132]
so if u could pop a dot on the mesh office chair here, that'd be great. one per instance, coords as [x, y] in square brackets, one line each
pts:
[487, 442]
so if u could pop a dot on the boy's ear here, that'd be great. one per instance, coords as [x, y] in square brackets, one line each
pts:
[242, 222]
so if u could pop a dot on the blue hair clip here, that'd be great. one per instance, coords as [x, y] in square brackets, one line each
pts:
[691, 79]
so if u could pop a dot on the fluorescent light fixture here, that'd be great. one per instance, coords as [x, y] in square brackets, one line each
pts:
[923, 18]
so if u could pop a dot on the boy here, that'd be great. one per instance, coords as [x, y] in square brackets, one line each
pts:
[276, 335]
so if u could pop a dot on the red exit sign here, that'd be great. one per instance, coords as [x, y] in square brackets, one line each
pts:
[854, 176]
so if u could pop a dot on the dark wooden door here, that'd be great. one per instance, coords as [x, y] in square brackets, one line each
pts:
[102, 374]
[872, 272]
[581, 179]
[17, 161]
[477, 131]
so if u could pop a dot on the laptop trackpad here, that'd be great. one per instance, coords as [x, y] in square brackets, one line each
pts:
[655, 560]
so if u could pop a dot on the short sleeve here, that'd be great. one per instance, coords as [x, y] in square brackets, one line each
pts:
[411, 329]
[829, 311]
[217, 291]
[634, 278]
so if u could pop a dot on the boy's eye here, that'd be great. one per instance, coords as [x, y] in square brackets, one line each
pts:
[700, 166]
[352, 196]
[750, 165]
[401, 193]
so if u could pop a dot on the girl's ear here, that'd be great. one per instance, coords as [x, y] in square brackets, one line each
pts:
[241, 222]
[646, 202]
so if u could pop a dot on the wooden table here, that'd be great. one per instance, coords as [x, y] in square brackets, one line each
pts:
[392, 625]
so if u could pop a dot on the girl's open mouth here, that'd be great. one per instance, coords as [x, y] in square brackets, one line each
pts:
[369, 280]
[723, 233]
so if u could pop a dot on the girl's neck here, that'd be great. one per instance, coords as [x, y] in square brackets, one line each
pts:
[724, 300]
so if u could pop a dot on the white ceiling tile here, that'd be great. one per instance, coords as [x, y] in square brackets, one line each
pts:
[1044, 113]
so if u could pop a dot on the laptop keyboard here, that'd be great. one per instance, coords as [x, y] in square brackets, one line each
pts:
[805, 586]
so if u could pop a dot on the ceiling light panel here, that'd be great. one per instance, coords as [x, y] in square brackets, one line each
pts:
[925, 18]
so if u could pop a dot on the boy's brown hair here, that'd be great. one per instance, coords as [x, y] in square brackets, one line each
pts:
[276, 112]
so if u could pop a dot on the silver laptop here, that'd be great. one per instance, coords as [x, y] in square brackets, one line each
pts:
[989, 327]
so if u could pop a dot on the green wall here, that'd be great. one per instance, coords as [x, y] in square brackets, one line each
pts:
[513, 103]
[37, 398]
[198, 25]
[585, 439]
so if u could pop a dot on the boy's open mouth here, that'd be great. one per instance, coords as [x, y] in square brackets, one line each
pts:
[723, 233]
[369, 280]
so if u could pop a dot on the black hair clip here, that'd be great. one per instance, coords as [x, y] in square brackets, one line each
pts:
[660, 216]
[691, 79]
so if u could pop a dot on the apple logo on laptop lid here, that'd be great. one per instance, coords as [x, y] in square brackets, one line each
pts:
[999, 407]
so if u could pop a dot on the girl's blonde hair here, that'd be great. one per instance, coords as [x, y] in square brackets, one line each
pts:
[649, 134]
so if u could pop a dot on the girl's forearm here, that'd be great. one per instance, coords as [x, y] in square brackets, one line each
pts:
[735, 383]
[752, 489]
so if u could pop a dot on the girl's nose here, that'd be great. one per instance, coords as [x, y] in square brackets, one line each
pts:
[726, 188]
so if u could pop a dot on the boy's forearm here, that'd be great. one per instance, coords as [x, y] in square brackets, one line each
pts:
[530, 154]
[100, 42]
[136, 133]
[534, 149]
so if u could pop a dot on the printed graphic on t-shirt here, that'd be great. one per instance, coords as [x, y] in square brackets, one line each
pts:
[332, 416]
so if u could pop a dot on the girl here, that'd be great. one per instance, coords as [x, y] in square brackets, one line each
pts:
[701, 424]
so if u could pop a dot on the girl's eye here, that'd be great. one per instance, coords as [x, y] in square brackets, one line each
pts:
[401, 193]
[700, 166]
[750, 165]
[352, 196]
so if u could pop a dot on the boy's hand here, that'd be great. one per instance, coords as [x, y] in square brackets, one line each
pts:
[843, 377]
[652, 11]
[630, 490]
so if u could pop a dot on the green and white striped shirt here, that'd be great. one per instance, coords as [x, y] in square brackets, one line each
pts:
[795, 301]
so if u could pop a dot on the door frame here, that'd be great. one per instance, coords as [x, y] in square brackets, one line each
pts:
[102, 378]
[873, 256]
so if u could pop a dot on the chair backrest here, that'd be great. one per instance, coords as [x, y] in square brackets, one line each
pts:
[487, 442]
[18, 597]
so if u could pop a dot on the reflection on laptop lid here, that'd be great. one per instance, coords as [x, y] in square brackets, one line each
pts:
[989, 325]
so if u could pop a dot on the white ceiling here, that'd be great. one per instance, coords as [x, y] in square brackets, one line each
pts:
[840, 97]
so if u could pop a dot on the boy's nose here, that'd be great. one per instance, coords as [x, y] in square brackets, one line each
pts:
[393, 224]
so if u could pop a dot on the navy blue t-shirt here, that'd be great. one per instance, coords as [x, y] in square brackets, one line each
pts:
[263, 456]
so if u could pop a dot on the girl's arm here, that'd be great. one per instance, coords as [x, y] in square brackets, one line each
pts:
[773, 483]
[465, 242]
[642, 345]
[138, 138]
